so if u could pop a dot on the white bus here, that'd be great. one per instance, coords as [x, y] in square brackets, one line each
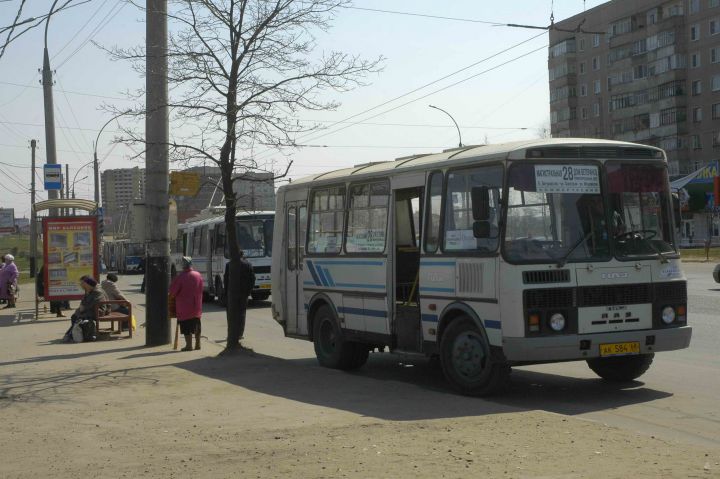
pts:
[205, 241]
[486, 257]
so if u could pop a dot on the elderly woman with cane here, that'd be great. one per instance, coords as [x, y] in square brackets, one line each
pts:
[186, 290]
[8, 281]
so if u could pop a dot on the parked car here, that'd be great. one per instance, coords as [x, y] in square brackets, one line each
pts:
[716, 273]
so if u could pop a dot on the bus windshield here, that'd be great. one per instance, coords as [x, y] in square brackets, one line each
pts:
[251, 236]
[136, 249]
[555, 213]
[640, 207]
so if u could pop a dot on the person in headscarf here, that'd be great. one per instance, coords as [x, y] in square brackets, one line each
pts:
[186, 290]
[8, 281]
[86, 310]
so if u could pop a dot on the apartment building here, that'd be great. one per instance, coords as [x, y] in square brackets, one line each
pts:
[120, 188]
[646, 71]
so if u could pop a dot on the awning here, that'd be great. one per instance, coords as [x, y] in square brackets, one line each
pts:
[79, 204]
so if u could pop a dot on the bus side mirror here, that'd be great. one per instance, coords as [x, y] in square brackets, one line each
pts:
[676, 210]
[481, 229]
[480, 196]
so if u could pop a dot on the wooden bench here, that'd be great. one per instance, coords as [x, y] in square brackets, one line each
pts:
[113, 316]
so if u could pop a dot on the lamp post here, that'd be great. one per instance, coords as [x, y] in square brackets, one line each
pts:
[453, 120]
[96, 166]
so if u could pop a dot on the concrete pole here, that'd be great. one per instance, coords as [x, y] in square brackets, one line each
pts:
[49, 111]
[67, 186]
[157, 262]
[33, 216]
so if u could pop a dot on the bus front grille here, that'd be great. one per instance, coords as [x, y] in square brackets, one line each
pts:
[261, 269]
[590, 296]
[614, 295]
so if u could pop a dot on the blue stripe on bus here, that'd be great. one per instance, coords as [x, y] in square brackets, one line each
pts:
[357, 285]
[313, 273]
[328, 276]
[437, 263]
[352, 263]
[493, 324]
[308, 283]
[375, 313]
[322, 276]
[436, 290]
[430, 318]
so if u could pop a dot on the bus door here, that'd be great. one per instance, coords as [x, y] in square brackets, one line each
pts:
[296, 224]
[407, 214]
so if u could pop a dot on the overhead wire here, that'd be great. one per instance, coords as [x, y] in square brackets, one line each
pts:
[75, 35]
[69, 91]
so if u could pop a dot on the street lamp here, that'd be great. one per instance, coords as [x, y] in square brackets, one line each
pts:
[47, 82]
[453, 120]
[96, 166]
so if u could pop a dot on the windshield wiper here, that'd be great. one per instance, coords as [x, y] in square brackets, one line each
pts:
[638, 235]
[565, 257]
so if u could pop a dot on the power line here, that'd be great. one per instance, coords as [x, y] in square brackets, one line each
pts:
[40, 125]
[73, 37]
[67, 91]
[438, 17]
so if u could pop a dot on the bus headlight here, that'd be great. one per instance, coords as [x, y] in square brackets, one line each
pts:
[668, 314]
[557, 322]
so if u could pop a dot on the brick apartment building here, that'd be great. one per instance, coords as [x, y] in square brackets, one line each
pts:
[646, 71]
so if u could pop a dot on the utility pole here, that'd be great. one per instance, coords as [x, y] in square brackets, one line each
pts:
[49, 112]
[157, 262]
[67, 186]
[33, 218]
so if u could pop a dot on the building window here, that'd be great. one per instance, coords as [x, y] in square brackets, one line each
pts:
[695, 60]
[697, 114]
[714, 26]
[716, 111]
[583, 113]
[640, 71]
[583, 89]
[715, 83]
[716, 139]
[596, 109]
[695, 32]
[582, 68]
[715, 55]
[581, 45]
[694, 6]
[597, 87]
[596, 63]
[596, 40]
[713, 3]
[696, 87]
[695, 141]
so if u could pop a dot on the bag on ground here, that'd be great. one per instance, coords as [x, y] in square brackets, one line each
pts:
[88, 330]
[77, 333]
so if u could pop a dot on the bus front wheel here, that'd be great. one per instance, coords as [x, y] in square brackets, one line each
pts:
[621, 368]
[467, 362]
[331, 349]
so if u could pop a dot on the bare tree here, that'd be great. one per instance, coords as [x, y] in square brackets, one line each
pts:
[239, 73]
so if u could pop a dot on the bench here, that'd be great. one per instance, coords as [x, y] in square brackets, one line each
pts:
[113, 316]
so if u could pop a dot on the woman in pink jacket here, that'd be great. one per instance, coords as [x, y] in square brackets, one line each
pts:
[186, 290]
[8, 281]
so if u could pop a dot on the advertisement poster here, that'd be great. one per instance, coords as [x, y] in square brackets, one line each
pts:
[70, 252]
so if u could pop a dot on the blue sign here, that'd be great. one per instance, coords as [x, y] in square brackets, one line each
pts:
[53, 177]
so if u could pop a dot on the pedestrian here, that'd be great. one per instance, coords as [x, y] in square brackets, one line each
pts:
[186, 291]
[141, 268]
[55, 306]
[244, 289]
[8, 281]
[113, 293]
[86, 310]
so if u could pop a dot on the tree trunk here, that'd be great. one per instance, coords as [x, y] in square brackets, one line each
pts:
[235, 329]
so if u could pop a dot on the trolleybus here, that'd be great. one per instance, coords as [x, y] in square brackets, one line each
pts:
[205, 241]
[486, 257]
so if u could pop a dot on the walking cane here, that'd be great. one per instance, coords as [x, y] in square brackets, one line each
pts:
[172, 314]
[175, 343]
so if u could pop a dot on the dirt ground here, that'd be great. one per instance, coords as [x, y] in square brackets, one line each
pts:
[119, 409]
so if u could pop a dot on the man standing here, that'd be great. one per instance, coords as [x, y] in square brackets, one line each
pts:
[186, 290]
[247, 283]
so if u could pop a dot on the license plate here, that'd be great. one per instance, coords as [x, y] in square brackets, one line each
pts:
[264, 286]
[619, 349]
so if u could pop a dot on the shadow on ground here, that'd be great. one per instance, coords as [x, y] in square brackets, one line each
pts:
[388, 388]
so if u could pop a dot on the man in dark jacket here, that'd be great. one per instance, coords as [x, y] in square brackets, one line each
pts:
[244, 288]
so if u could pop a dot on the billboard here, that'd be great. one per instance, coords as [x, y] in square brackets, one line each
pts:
[70, 251]
[7, 220]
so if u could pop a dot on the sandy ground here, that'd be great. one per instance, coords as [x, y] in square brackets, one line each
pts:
[118, 409]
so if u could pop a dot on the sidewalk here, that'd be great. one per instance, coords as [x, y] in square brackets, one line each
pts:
[118, 409]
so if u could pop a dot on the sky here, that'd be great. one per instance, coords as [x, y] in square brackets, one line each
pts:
[494, 87]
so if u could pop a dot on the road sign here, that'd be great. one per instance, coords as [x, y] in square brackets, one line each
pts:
[53, 177]
[7, 220]
[184, 183]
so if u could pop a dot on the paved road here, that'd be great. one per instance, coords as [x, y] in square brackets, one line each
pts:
[677, 399]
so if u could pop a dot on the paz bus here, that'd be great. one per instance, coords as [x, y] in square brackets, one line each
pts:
[486, 257]
[205, 241]
[123, 256]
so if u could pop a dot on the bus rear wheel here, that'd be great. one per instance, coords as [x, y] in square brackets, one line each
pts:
[331, 349]
[622, 368]
[259, 296]
[467, 362]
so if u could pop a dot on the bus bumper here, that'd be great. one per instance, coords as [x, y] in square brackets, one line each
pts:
[585, 346]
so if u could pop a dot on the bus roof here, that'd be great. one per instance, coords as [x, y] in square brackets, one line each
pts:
[513, 151]
[220, 218]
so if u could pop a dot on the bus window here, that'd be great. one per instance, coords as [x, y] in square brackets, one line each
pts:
[367, 218]
[326, 220]
[291, 238]
[204, 243]
[197, 239]
[459, 219]
[302, 231]
[269, 227]
[251, 237]
[187, 243]
[432, 236]
[220, 234]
